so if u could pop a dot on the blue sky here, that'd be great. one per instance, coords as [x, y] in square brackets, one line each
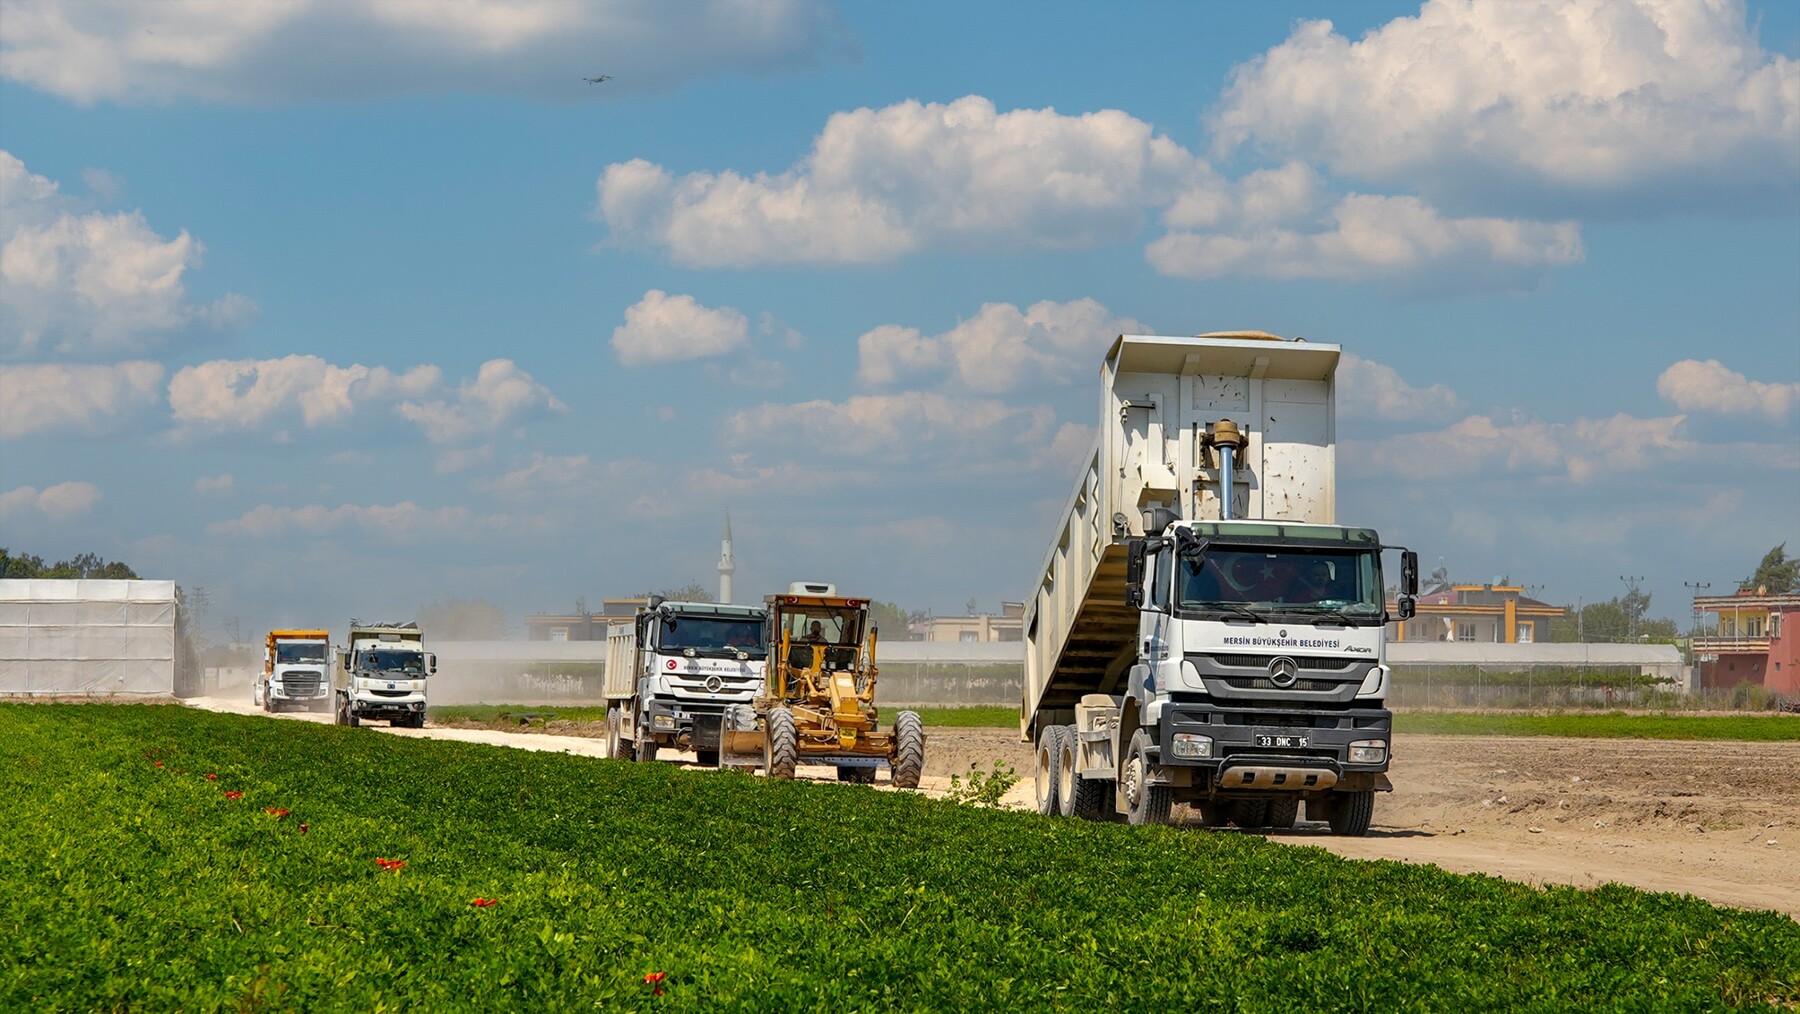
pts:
[347, 308]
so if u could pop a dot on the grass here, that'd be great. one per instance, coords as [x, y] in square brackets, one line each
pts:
[1602, 725]
[970, 718]
[510, 714]
[133, 881]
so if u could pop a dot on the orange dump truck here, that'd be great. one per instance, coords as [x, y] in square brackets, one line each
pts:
[295, 664]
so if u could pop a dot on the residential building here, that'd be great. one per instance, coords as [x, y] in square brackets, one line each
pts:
[581, 626]
[1008, 626]
[1481, 613]
[1756, 640]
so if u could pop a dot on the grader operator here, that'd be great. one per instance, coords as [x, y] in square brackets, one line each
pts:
[818, 705]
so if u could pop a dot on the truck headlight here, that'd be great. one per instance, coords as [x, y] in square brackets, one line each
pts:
[1368, 751]
[1188, 744]
[663, 721]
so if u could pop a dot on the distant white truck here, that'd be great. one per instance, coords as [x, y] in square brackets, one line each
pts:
[673, 670]
[296, 671]
[382, 674]
[1202, 630]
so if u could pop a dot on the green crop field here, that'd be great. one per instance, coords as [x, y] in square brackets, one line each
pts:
[517, 714]
[1602, 725]
[161, 858]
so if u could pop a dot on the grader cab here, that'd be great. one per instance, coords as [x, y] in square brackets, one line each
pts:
[818, 705]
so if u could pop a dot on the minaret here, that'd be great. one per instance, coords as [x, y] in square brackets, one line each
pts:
[727, 564]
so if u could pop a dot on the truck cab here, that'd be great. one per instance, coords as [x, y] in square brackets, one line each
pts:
[383, 674]
[671, 673]
[296, 671]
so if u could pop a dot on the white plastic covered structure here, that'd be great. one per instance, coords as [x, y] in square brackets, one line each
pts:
[88, 638]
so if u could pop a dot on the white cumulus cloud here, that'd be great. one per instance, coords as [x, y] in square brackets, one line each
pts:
[661, 328]
[882, 183]
[58, 503]
[1695, 386]
[1639, 99]
[1002, 348]
[500, 395]
[92, 284]
[1580, 451]
[1367, 389]
[338, 50]
[54, 397]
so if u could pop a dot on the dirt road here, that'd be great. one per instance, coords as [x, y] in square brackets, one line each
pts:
[1717, 820]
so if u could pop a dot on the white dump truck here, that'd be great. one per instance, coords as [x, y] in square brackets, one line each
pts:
[382, 674]
[296, 671]
[673, 670]
[1202, 630]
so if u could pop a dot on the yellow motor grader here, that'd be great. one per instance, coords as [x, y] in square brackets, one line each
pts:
[818, 705]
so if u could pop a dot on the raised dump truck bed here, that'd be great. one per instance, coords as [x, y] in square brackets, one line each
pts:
[1160, 399]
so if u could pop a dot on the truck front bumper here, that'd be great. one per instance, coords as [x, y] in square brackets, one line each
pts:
[1275, 749]
[379, 706]
[688, 725]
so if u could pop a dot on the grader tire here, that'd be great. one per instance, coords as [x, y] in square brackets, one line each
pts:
[781, 751]
[909, 754]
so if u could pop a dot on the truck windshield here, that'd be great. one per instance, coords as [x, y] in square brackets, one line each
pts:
[722, 636]
[290, 653]
[411, 663]
[1343, 583]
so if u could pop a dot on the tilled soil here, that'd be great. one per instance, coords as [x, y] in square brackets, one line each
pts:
[1719, 820]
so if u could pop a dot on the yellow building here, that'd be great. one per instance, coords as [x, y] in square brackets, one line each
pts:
[1482, 613]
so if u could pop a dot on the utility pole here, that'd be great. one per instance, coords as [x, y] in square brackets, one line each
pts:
[1631, 583]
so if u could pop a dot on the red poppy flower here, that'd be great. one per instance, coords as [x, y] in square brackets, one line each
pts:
[390, 865]
[302, 828]
[655, 977]
[159, 764]
[484, 902]
[234, 795]
[275, 811]
[211, 777]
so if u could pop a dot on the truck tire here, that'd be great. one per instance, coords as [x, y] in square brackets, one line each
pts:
[1250, 814]
[781, 749]
[1146, 803]
[1078, 797]
[617, 746]
[1351, 813]
[909, 752]
[856, 776]
[646, 750]
[1049, 755]
[1283, 812]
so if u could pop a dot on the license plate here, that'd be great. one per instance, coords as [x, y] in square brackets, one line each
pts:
[1281, 742]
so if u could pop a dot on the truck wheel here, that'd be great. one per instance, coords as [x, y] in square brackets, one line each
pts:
[781, 749]
[909, 753]
[617, 746]
[1049, 759]
[1351, 813]
[646, 749]
[1213, 813]
[856, 776]
[1250, 814]
[1078, 796]
[1283, 813]
[1146, 803]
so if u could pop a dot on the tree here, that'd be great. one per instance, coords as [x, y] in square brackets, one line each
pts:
[86, 565]
[1776, 573]
[694, 591]
[895, 622]
[463, 620]
[1615, 620]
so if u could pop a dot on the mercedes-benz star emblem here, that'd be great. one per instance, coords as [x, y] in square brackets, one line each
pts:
[713, 683]
[1284, 672]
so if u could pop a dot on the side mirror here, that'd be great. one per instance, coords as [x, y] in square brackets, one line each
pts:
[1409, 572]
[344, 660]
[1134, 574]
[431, 664]
[1407, 607]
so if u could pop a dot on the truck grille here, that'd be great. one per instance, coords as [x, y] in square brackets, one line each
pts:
[301, 682]
[1264, 683]
[1303, 661]
[391, 693]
